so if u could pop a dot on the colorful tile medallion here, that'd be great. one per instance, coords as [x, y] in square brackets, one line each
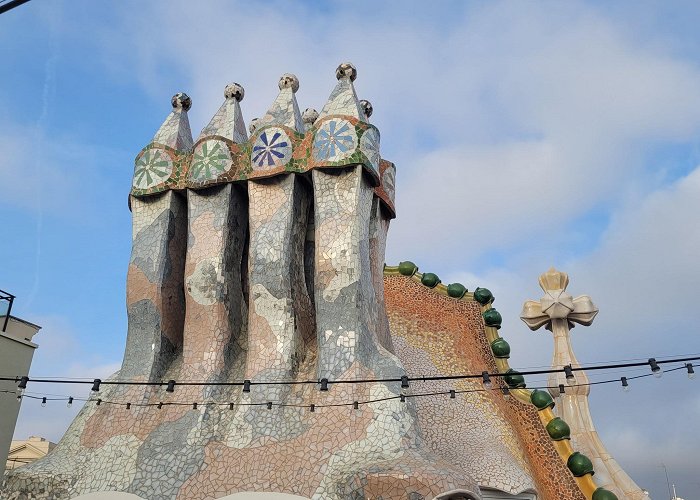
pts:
[335, 140]
[152, 168]
[211, 159]
[272, 149]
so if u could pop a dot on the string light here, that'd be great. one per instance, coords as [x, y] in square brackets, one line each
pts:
[312, 408]
[506, 393]
[655, 368]
[22, 386]
[43, 402]
[160, 405]
[355, 404]
[652, 363]
[486, 380]
[324, 384]
[171, 386]
[569, 372]
[70, 402]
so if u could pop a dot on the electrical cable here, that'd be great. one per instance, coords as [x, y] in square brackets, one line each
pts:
[354, 404]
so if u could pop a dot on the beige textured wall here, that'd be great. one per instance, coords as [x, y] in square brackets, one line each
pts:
[15, 358]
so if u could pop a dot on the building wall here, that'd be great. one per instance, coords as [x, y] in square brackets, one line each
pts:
[26, 451]
[16, 354]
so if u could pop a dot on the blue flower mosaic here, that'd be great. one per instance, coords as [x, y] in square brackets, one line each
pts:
[335, 140]
[272, 149]
[152, 168]
[211, 159]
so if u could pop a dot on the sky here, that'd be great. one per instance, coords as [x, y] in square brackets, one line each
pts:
[526, 135]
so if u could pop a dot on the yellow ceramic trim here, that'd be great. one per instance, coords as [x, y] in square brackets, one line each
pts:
[563, 447]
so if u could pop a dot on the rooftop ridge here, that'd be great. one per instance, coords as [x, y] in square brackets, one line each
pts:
[577, 463]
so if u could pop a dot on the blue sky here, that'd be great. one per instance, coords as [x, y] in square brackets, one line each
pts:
[525, 135]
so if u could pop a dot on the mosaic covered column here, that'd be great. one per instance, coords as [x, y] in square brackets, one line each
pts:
[155, 299]
[155, 302]
[346, 303]
[215, 319]
[281, 313]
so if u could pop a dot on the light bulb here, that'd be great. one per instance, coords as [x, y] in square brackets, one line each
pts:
[655, 368]
[691, 371]
[625, 384]
[486, 380]
[43, 402]
[70, 402]
[570, 379]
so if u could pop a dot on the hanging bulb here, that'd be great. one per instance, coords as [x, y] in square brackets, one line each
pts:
[691, 371]
[128, 406]
[194, 406]
[230, 406]
[22, 386]
[43, 402]
[356, 405]
[569, 372]
[246, 386]
[96, 385]
[453, 394]
[625, 384]
[70, 401]
[99, 401]
[312, 408]
[160, 405]
[655, 368]
[562, 390]
[269, 405]
[324, 384]
[171, 386]
[506, 393]
[486, 380]
[403, 398]
[404, 382]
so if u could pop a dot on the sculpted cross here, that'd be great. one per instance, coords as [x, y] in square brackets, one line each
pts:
[558, 311]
